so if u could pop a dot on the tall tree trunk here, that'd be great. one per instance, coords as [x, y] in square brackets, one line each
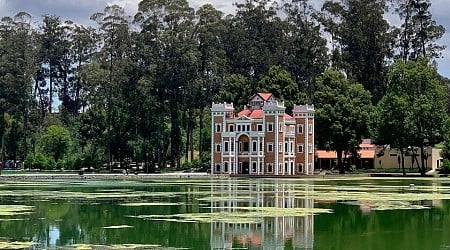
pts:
[200, 138]
[422, 156]
[175, 137]
[340, 163]
[402, 159]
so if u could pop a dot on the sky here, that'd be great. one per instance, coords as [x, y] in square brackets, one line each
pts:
[80, 10]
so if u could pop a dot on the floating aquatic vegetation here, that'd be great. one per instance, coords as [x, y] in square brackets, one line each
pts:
[10, 210]
[250, 215]
[118, 227]
[121, 246]
[138, 204]
[226, 198]
[15, 245]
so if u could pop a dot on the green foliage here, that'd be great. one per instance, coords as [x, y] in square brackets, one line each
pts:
[140, 89]
[343, 111]
[445, 168]
[414, 111]
[280, 83]
[56, 141]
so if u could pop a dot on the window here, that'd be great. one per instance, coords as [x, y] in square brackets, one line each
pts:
[300, 148]
[286, 147]
[231, 128]
[218, 147]
[270, 127]
[240, 147]
[300, 128]
[299, 167]
[218, 127]
[269, 167]
[232, 145]
[269, 147]
[248, 128]
[281, 126]
[261, 148]
[261, 165]
[254, 167]
[225, 146]
[310, 148]
[280, 147]
[260, 127]
[239, 128]
[254, 146]
[246, 146]
[310, 128]
[225, 167]
[218, 168]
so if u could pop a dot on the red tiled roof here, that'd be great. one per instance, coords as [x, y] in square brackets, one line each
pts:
[364, 154]
[265, 96]
[257, 114]
[322, 154]
[288, 117]
[244, 112]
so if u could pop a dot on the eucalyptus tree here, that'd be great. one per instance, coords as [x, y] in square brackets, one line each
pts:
[54, 59]
[254, 39]
[17, 66]
[111, 78]
[365, 39]
[342, 117]
[419, 32]
[305, 48]
[418, 85]
[210, 29]
[171, 23]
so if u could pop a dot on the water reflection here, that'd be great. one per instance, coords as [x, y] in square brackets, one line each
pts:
[277, 232]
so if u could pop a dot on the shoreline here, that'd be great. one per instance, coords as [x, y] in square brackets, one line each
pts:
[193, 175]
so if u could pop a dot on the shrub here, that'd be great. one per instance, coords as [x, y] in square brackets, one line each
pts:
[445, 168]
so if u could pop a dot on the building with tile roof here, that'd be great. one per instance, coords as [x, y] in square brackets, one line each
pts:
[262, 140]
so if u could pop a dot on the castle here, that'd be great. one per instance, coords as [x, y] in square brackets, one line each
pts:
[262, 140]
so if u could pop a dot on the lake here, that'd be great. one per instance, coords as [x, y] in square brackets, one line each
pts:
[221, 213]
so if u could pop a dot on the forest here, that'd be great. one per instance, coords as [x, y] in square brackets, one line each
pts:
[137, 87]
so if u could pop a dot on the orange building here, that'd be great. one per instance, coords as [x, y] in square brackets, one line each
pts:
[262, 139]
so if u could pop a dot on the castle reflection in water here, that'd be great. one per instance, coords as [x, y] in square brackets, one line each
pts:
[278, 232]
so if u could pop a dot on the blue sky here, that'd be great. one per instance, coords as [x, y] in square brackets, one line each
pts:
[81, 10]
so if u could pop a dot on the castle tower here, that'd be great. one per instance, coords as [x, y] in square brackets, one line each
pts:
[304, 120]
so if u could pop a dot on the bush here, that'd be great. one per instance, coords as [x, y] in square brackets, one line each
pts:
[445, 169]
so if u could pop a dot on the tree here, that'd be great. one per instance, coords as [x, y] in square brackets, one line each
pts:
[254, 39]
[426, 97]
[17, 66]
[171, 23]
[55, 142]
[365, 41]
[390, 123]
[342, 114]
[210, 29]
[418, 32]
[304, 47]
[114, 69]
[280, 83]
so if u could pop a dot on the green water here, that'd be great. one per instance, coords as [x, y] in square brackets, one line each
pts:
[156, 214]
